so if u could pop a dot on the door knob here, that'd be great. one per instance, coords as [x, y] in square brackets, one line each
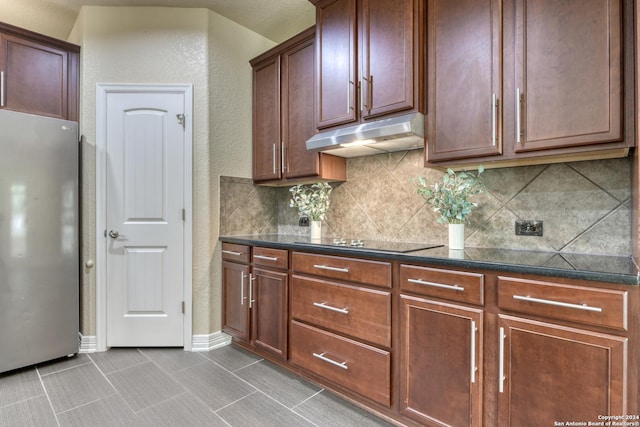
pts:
[114, 234]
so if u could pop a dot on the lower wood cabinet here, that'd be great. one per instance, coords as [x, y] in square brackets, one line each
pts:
[550, 373]
[255, 298]
[428, 345]
[441, 362]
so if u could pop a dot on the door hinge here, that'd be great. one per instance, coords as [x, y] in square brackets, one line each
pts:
[182, 307]
[181, 120]
[184, 214]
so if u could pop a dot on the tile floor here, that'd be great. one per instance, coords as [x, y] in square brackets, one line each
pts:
[169, 387]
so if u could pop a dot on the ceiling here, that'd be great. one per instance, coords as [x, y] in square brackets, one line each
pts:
[276, 20]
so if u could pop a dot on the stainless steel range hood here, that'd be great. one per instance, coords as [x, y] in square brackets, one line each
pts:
[399, 133]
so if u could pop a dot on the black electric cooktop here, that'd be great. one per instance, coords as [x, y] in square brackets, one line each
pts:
[373, 245]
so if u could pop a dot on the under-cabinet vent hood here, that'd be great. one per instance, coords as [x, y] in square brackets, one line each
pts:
[399, 133]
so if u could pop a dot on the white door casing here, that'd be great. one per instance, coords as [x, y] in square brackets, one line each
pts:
[144, 184]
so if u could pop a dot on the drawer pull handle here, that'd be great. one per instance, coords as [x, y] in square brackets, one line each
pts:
[234, 253]
[328, 267]
[437, 285]
[328, 307]
[473, 351]
[324, 358]
[266, 258]
[558, 303]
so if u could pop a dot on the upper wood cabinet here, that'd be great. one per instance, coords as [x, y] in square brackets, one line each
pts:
[369, 60]
[528, 81]
[283, 116]
[38, 75]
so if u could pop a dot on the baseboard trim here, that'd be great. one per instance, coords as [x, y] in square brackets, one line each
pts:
[88, 343]
[210, 341]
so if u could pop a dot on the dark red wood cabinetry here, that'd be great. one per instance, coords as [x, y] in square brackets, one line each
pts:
[528, 81]
[369, 59]
[283, 116]
[39, 75]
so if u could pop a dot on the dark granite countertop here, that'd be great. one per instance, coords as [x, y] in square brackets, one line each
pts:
[611, 269]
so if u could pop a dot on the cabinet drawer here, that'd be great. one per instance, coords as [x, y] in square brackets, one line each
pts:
[355, 270]
[276, 258]
[360, 312]
[453, 285]
[356, 366]
[233, 252]
[601, 307]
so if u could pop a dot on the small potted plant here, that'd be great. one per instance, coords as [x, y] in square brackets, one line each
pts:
[312, 201]
[451, 199]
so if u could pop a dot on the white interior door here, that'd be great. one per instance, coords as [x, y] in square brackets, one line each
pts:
[144, 204]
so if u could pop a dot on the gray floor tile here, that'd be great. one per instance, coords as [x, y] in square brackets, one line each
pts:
[283, 386]
[34, 412]
[173, 359]
[63, 363]
[111, 411]
[184, 410]
[144, 385]
[326, 409]
[117, 358]
[76, 386]
[215, 386]
[19, 385]
[260, 410]
[231, 357]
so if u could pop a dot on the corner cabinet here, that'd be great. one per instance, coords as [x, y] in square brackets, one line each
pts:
[38, 74]
[369, 59]
[255, 297]
[548, 84]
[283, 116]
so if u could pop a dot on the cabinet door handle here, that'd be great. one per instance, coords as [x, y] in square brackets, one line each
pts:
[328, 307]
[283, 163]
[275, 161]
[251, 280]
[324, 358]
[328, 267]
[361, 95]
[518, 117]
[242, 298]
[234, 253]
[266, 258]
[349, 107]
[370, 88]
[2, 88]
[473, 351]
[501, 362]
[436, 285]
[584, 307]
[494, 119]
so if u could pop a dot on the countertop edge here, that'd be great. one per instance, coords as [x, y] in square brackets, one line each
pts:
[614, 278]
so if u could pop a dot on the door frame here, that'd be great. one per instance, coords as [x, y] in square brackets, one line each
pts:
[102, 91]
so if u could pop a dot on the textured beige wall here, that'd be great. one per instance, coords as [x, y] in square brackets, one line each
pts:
[173, 45]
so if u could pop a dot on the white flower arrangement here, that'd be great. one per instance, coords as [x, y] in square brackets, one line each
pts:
[311, 200]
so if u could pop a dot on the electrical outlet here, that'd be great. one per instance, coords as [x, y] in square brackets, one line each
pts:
[528, 228]
[303, 221]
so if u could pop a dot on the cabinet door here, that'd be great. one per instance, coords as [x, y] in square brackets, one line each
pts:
[441, 358]
[386, 56]
[269, 311]
[463, 79]
[568, 75]
[336, 62]
[552, 373]
[35, 77]
[266, 120]
[235, 295]
[298, 110]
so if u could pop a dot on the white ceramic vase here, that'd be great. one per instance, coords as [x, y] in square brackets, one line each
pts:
[316, 230]
[456, 236]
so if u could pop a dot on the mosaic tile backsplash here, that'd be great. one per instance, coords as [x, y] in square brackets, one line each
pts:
[585, 206]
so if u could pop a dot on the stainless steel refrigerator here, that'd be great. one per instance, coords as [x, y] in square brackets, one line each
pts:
[39, 256]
